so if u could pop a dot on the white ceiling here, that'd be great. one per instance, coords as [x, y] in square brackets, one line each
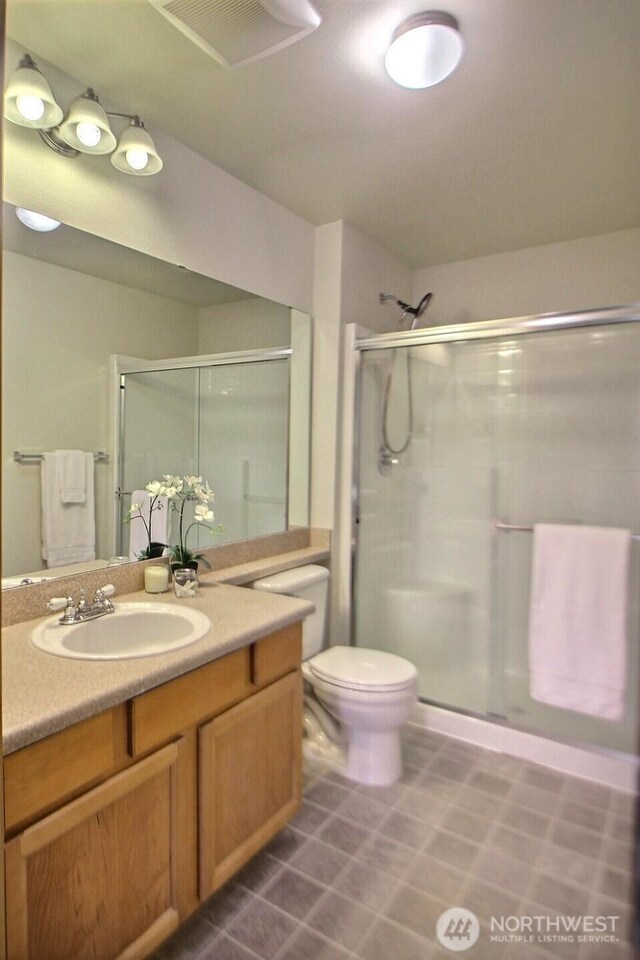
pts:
[534, 139]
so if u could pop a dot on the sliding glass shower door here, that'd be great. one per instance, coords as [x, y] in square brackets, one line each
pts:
[229, 423]
[502, 432]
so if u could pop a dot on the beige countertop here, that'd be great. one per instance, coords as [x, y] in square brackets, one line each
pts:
[266, 566]
[43, 693]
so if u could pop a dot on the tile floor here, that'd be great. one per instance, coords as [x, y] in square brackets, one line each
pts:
[363, 873]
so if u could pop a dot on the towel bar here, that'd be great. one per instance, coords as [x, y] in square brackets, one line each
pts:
[498, 525]
[99, 457]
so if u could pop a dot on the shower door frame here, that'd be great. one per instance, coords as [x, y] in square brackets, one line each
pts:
[449, 333]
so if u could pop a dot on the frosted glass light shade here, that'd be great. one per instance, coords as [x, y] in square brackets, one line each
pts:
[36, 221]
[28, 99]
[134, 145]
[424, 50]
[87, 128]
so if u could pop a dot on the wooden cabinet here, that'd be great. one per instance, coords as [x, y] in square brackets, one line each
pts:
[52, 771]
[97, 878]
[249, 778]
[118, 826]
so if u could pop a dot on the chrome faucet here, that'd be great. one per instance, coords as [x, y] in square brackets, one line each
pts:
[78, 613]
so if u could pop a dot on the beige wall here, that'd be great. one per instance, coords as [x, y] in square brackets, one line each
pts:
[349, 274]
[599, 271]
[367, 271]
[192, 213]
[244, 325]
[60, 328]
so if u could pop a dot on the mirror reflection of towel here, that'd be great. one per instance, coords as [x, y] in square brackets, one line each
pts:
[68, 529]
[73, 466]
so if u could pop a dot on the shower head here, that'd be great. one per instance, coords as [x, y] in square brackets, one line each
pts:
[415, 312]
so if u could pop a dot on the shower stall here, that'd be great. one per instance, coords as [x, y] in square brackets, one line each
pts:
[226, 417]
[501, 425]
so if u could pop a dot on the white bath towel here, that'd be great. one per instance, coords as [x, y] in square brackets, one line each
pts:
[138, 536]
[74, 467]
[68, 529]
[578, 618]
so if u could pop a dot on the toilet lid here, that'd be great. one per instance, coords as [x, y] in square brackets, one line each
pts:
[361, 669]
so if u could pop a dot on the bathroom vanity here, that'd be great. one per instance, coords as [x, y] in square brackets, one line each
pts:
[120, 823]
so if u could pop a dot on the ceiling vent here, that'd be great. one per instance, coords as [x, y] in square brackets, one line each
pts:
[235, 32]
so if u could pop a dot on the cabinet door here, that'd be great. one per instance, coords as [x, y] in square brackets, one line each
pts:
[96, 879]
[249, 778]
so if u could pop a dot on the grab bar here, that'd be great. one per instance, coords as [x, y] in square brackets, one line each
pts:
[499, 526]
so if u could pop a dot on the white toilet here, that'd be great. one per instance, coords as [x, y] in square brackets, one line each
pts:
[369, 692]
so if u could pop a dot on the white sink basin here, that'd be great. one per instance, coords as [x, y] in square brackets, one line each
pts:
[134, 630]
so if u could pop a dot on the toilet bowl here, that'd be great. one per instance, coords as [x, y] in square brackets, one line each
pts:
[369, 692]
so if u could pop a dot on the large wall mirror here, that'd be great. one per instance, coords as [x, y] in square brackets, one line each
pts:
[109, 351]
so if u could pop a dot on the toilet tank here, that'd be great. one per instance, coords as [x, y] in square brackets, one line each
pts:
[310, 582]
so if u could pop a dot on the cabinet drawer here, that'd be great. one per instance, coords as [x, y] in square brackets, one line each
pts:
[161, 714]
[276, 655]
[41, 775]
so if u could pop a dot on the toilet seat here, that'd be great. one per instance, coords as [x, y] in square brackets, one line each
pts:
[358, 668]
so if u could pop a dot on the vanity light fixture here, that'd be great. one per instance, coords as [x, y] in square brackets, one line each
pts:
[86, 127]
[36, 221]
[425, 48]
[28, 99]
[29, 102]
[136, 152]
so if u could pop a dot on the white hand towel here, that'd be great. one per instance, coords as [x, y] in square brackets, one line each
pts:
[578, 618]
[138, 536]
[74, 467]
[68, 529]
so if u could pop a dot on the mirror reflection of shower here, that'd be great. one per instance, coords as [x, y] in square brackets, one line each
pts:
[388, 454]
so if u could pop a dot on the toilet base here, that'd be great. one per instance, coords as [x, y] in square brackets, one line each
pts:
[374, 757]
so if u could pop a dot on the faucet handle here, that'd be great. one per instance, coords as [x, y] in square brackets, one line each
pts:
[58, 603]
[102, 593]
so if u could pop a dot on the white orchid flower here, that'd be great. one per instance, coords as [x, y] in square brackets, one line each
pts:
[134, 508]
[204, 492]
[174, 483]
[192, 481]
[202, 513]
[154, 487]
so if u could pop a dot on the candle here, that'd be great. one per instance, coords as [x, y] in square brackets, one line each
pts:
[156, 579]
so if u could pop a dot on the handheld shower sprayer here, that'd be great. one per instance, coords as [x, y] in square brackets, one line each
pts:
[388, 454]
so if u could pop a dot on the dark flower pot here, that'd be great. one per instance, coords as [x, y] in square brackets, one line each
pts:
[153, 551]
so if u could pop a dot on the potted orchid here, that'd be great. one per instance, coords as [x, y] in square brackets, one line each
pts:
[154, 547]
[180, 491]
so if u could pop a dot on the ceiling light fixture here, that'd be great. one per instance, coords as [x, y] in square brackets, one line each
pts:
[29, 102]
[424, 49]
[36, 221]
